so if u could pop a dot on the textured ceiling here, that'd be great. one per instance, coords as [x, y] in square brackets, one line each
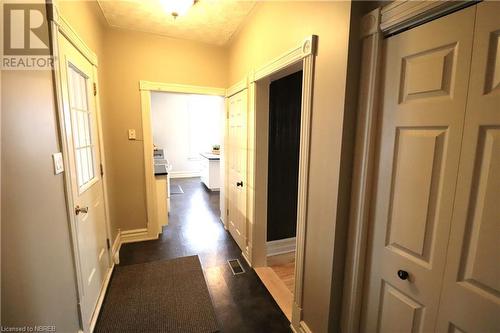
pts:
[208, 21]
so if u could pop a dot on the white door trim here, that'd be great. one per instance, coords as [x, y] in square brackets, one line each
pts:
[237, 87]
[366, 133]
[180, 88]
[145, 88]
[302, 54]
[61, 27]
[387, 20]
[401, 15]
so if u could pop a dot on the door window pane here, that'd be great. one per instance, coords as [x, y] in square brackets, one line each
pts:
[82, 117]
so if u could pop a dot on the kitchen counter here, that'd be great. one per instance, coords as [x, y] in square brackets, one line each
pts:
[161, 169]
[209, 171]
[210, 156]
[162, 184]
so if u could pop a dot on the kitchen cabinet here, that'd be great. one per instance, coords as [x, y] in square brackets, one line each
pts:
[210, 171]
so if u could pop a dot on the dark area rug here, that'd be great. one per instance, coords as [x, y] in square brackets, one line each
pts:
[159, 296]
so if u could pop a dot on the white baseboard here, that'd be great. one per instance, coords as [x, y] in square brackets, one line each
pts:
[135, 235]
[128, 236]
[243, 254]
[223, 223]
[304, 327]
[281, 246]
[115, 249]
[184, 174]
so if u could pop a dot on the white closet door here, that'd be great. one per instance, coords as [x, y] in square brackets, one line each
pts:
[237, 163]
[426, 72]
[471, 289]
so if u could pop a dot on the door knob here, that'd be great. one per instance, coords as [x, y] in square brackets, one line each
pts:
[240, 183]
[83, 210]
[403, 275]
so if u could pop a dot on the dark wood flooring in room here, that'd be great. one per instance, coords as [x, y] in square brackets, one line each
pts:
[241, 302]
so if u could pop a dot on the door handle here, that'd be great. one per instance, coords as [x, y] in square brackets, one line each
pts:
[240, 183]
[83, 210]
[403, 275]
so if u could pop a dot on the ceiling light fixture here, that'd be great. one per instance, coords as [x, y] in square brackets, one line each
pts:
[177, 7]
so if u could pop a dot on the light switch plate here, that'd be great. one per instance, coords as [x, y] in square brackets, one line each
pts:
[58, 163]
[131, 134]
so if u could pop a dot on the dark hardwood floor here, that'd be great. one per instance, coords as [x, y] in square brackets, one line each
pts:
[241, 302]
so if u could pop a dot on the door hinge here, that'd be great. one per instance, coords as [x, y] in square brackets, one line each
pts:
[102, 169]
[95, 89]
[227, 212]
[108, 243]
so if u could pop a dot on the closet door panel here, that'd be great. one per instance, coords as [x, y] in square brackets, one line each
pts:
[424, 93]
[471, 289]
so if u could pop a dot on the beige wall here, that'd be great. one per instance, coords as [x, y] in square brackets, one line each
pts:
[87, 19]
[272, 29]
[128, 58]
[38, 279]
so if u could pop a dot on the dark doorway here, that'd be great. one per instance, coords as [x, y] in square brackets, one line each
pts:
[285, 97]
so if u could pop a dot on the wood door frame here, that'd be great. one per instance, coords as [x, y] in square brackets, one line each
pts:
[60, 27]
[303, 56]
[146, 87]
[382, 22]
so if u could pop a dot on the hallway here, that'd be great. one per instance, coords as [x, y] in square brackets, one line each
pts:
[241, 302]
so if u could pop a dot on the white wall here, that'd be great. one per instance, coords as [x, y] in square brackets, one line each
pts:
[185, 125]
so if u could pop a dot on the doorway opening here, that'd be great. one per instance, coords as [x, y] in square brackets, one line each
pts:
[285, 97]
[187, 132]
[277, 156]
[175, 120]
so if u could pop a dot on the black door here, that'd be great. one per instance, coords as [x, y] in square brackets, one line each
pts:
[285, 96]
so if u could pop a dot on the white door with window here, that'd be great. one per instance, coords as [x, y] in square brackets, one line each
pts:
[237, 163]
[82, 136]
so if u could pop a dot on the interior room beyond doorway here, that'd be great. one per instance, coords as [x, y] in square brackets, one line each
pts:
[187, 131]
